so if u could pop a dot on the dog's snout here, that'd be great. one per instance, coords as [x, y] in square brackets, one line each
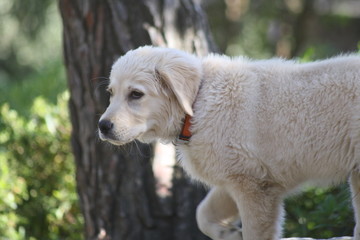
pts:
[105, 126]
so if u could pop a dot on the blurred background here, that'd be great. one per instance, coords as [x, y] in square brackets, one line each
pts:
[38, 198]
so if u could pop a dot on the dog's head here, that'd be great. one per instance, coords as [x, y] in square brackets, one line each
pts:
[150, 89]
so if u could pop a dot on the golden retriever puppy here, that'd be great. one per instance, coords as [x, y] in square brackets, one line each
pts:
[255, 131]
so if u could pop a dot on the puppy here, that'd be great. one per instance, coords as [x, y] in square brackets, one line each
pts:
[255, 131]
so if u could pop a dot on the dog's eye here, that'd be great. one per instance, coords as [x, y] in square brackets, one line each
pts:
[136, 95]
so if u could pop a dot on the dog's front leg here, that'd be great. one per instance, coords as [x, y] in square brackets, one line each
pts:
[260, 207]
[216, 215]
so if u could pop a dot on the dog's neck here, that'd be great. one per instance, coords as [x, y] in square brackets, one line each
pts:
[185, 134]
[179, 131]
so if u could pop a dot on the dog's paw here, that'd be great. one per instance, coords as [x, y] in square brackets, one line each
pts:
[233, 232]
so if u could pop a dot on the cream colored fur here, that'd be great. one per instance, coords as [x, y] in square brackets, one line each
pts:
[261, 129]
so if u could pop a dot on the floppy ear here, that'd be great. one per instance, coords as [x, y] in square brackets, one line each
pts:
[182, 76]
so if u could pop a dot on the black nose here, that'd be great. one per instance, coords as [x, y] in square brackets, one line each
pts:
[105, 126]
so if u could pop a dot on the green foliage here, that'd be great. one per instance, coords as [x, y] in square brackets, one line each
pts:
[38, 197]
[252, 41]
[320, 213]
[46, 82]
[30, 36]
[31, 15]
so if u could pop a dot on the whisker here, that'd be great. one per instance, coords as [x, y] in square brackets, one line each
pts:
[98, 84]
[129, 148]
[123, 149]
[142, 152]
[355, 195]
[138, 149]
[96, 78]
[101, 84]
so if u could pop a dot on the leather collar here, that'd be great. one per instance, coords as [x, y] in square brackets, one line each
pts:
[185, 133]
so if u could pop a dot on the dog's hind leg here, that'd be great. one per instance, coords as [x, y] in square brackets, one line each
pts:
[216, 215]
[355, 190]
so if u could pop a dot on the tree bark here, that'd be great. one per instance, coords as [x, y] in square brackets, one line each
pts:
[116, 186]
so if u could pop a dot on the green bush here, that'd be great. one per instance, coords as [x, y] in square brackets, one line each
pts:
[38, 197]
[37, 194]
[320, 213]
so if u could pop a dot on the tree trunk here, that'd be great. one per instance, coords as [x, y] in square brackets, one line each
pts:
[116, 186]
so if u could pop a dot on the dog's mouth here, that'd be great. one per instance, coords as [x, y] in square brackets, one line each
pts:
[108, 137]
[113, 139]
[116, 139]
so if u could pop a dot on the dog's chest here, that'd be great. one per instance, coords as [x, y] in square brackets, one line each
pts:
[203, 163]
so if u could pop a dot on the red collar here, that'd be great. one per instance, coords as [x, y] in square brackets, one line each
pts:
[185, 133]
